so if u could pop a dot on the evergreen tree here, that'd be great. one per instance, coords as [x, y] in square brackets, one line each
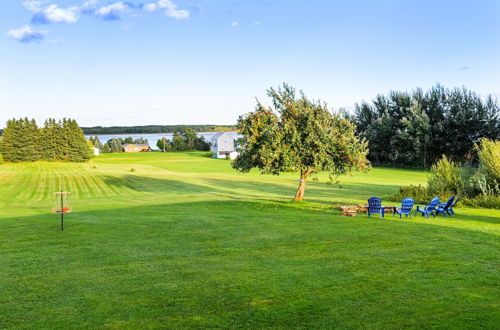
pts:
[129, 140]
[77, 148]
[52, 140]
[96, 142]
[20, 140]
[24, 141]
[115, 145]
[106, 148]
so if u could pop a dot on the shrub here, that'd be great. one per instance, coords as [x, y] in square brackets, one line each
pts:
[490, 202]
[488, 153]
[1, 159]
[479, 186]
[445, 178]
[419, 193]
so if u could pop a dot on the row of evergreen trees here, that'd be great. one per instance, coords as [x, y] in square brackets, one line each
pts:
[23, 140]
[417, 128]
[116, 144]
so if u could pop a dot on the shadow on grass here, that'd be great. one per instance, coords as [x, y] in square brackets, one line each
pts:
[237, 211]
[314, 190]
[219, 260]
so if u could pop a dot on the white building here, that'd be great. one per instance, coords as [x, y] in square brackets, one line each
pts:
[222, 144]
[96, 151]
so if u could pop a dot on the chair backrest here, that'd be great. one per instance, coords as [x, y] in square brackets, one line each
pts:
[407, 204]
[456, 201]
[432, 205]
[374, 204]
[449, 202]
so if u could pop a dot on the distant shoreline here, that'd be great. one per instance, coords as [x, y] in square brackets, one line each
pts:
[155, 129]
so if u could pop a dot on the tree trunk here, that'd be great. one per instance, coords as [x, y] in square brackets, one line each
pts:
[299, 195]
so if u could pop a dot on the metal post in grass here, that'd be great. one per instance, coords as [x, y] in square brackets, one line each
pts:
[62, 205]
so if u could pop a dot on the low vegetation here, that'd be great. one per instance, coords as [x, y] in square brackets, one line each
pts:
[479, 185]
[187, 242]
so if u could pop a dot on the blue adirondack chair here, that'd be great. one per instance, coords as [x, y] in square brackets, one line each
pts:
[429, 208]
[450, 208]
[375, 207]
[444, 207]
[406, 206]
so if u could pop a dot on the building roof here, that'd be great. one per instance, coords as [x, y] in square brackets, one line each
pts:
[134, 144]
[217, 135]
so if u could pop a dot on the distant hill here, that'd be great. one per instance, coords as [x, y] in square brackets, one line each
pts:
[151, 129]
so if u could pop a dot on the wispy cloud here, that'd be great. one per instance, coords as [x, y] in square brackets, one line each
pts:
[112, 12]
[256, 23]
[52, 14]
[27, 34]
[88, 7]
[169, 8]
[33, 5]
[464, 68]
[235, 24]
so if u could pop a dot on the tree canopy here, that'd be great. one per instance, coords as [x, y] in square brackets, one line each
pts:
[298, 135]
[417, 128]
[23, 140]
[185, 140]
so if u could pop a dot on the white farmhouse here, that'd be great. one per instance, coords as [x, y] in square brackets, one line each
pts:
[222, 144]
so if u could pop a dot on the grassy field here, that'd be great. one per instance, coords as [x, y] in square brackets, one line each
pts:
[179, 240]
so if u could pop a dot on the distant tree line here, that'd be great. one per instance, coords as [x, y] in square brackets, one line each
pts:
[23, 140]
[185, 140]
[116, 144]
[149, 129]
[417, 128]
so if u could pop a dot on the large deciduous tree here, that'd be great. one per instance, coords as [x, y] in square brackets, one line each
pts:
[298, 135]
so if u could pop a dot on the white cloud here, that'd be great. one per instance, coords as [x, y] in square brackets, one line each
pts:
[27, 34]
[112, 12]
[169, 8]
[88, 6]
[235, 24]
[54, 14]
[256, 23]
[33, 5]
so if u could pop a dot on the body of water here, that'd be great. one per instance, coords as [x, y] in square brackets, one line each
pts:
[153, 138]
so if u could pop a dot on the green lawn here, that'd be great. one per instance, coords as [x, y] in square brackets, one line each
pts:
[183, 241]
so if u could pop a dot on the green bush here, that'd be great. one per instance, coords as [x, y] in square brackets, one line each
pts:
[419, 193]
[445, 178]
[488, 153]
[490, 202]
[1, 159]
[478, 186]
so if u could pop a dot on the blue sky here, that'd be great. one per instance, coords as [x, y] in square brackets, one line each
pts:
[205, 61]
